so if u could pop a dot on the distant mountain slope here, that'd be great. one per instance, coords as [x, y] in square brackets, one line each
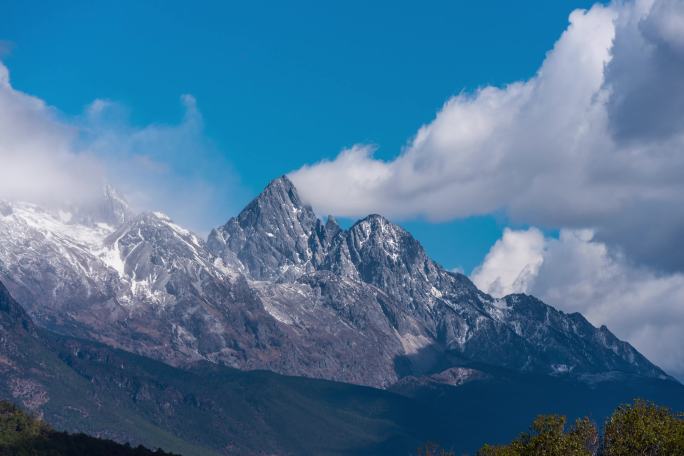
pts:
[276, 288]
[83, 386]
[491, 409]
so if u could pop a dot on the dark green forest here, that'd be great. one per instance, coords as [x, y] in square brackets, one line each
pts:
[24, 435]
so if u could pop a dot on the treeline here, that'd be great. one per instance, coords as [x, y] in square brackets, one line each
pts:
[24, 435]
[641, 428]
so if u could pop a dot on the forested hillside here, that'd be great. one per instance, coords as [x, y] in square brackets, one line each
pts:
[24, 435]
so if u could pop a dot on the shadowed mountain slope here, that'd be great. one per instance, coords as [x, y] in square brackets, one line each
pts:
[83, 386]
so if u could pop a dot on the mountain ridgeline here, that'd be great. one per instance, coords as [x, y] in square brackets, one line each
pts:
[276, 288]
[129, 327]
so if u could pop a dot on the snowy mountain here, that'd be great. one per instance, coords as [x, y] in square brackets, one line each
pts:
[276, 288]
[84, 386]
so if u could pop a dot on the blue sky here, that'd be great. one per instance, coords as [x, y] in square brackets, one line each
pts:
[531, 144]
[280, 86]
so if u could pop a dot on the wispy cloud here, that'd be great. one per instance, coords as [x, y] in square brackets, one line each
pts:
[53, 159]
[38, 161]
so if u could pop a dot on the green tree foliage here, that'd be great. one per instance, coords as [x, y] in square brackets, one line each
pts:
[644, 429]
[548, 437]
[639, 429]
[16, 427]
[24, 435]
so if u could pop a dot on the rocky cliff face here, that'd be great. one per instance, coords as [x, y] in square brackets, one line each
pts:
[275, 288]
[275, 237]
[439, 319]
[83, 386]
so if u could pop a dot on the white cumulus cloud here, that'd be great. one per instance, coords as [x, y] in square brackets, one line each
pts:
[37, 160]
[594, 139]
[512, 263]
[577, 273]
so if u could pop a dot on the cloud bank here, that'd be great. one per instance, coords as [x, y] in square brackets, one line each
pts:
[592, 145]
[577, 273]
[594, 140]
[49, 158]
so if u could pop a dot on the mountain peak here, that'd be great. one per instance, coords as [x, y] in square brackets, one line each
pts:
[115, 206]
[331, 226]
[282, 182]
[281, 188]
[279, 201]
[378, 228]
[380, 248]
[375, 218]
[378, 221]
[271, 235]
[109, 207]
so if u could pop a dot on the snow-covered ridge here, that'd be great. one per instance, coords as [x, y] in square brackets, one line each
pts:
[21, 217]
[276, 288]
[78, 241]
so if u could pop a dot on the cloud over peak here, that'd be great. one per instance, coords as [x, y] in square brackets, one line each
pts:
[49, 158]
[559, 150]
[592, 145]
[37, 159]
[577, 273]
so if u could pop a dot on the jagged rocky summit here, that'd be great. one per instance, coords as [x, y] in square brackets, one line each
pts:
[276, 288]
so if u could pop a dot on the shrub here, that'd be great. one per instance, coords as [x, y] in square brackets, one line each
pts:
[548, 437]
[644, 428]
